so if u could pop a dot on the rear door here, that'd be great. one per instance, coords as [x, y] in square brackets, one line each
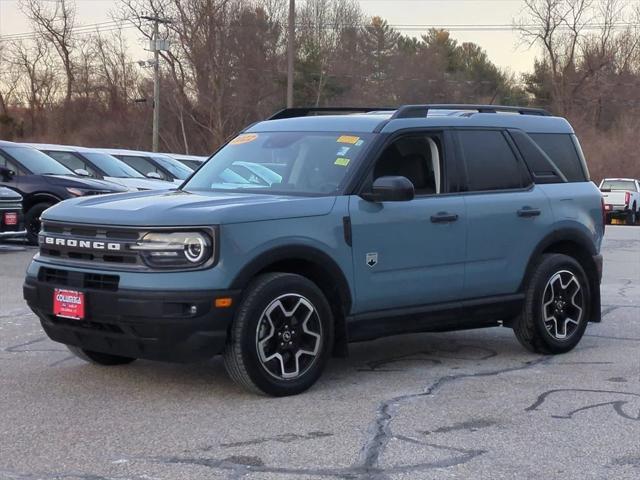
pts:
[507, 215]
[410, 253]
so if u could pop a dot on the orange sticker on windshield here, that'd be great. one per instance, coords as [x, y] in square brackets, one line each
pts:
[348, 139]
[244, 138]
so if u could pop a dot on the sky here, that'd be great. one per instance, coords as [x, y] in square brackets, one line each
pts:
[412, 16]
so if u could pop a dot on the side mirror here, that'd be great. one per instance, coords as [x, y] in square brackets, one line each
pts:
[390, 189]
[6, 174]
[155, 176]
[82, 172]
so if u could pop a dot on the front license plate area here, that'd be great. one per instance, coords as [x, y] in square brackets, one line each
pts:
[10, 218]
[68, 304]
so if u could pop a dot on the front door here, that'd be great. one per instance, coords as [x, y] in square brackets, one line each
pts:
[409, 253]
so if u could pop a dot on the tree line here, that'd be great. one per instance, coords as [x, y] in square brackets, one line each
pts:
[226, 68]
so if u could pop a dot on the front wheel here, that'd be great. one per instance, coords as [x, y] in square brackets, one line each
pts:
[556, 310]
[32, 221]
[281, 336]
[98, 358]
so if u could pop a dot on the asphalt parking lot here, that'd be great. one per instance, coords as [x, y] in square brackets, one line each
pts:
[469, 404]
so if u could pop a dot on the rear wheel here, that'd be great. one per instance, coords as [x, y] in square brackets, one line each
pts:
[98, 358]
[631, 217]
[556, 310]
[281, 337]
[32, 221]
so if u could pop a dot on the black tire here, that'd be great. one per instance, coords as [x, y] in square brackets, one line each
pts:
[530, 326]
[32, 221]
[98, 358]
[631, 217]
[254, 336]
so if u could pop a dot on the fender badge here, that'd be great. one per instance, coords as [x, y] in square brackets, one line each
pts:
[372, 259]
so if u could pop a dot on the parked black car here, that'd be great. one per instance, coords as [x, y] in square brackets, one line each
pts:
[43, 182]
[11, 221]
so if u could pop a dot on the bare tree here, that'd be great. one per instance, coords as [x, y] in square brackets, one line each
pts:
[55, 21]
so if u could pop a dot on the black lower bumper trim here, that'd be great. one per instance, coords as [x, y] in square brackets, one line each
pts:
[171, 326]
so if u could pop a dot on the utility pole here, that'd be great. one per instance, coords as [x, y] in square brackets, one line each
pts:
[156, 47]
[291, 47]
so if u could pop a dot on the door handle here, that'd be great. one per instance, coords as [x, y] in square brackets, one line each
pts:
[528, 212]
[444, 217]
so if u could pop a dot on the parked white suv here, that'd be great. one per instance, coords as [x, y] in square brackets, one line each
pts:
[621, 199]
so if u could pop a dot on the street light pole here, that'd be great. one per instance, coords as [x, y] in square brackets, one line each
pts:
[156, 89]
[155, 46]
[291, 46]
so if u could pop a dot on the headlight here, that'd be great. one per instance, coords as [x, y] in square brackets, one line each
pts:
[175, 249]
[77, 192]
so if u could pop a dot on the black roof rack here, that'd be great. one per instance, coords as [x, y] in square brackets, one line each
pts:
[421, 111]
[307, 111]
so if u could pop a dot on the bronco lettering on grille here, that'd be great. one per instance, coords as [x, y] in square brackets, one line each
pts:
[83, 244]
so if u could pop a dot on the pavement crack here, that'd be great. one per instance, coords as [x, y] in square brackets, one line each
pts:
[381, 432]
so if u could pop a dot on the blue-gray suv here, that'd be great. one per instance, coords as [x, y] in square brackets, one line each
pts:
[320, 227]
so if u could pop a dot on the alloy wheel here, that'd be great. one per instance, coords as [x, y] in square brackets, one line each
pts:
[289, 337]
[562, 305]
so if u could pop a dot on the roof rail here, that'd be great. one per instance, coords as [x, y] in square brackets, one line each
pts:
[307, 111]
[421, 111]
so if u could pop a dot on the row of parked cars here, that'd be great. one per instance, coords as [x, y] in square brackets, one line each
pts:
[34, 176]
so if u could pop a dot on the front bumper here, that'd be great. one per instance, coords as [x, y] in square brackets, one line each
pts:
[154, 325]
[13, 234]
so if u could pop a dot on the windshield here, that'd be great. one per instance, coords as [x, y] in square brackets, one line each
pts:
[313, 163]
[37, 162]
[111, 166]
[174, 167]
[618, 185]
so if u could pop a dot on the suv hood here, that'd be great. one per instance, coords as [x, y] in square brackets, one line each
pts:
[82, 182]
[180, 208]
[142, 183]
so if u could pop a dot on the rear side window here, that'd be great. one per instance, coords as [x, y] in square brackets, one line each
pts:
[561, 149]
[490, 161]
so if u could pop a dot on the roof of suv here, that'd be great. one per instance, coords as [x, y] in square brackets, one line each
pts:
[387, 121]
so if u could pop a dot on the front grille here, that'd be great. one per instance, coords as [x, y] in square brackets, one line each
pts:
[89, 234]
[90, 281]
[10, 205]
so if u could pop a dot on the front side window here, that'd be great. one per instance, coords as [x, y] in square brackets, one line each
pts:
[416, 157]
[37, 162]
[307, 163]
[6, 163]
[141, 164]
[111, 166]
[490, 161]
[177, 169]
[72, 162]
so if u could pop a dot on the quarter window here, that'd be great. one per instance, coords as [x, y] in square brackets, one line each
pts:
[490, 161]
[562, 151]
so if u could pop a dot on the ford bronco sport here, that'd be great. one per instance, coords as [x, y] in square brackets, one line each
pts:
[420, 219]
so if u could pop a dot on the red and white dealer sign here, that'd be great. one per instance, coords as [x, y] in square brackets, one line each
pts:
[68, 304]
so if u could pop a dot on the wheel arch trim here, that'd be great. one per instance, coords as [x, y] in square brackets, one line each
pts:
[582, 239]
